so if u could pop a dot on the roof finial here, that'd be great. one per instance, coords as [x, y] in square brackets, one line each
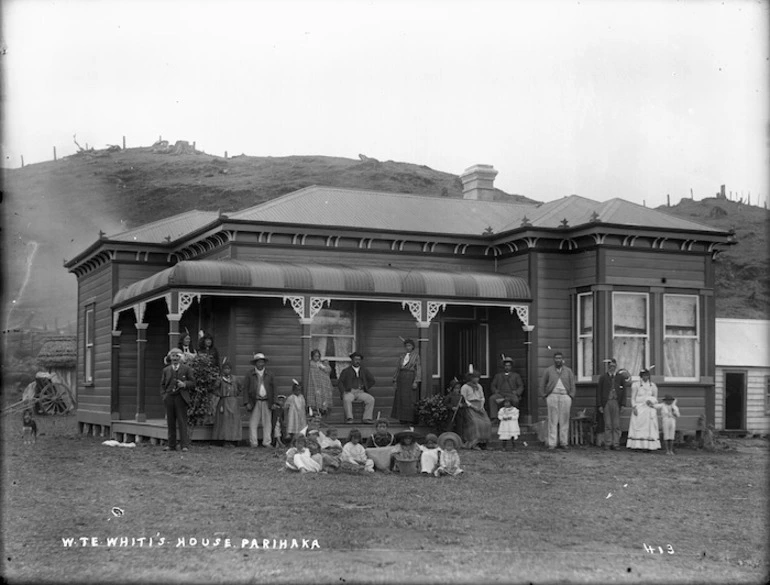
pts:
[525, 222]
[595, 217]
[564, 223]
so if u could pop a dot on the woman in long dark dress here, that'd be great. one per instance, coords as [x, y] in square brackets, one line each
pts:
[477, 426]
[406, 380]
[227, 412]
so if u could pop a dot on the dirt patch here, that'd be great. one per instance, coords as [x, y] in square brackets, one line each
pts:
[585, 515]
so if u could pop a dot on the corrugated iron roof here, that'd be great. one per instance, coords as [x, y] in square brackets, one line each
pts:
[173, 227]
[743, 342]
[379, 210]
[328, 278]
[332, 206]
[579, 210]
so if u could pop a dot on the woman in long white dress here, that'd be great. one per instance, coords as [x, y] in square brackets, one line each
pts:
[643, 432]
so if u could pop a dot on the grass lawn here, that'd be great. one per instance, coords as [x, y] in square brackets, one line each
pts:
[581, 516]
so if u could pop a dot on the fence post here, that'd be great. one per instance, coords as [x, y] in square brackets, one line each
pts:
[124, 143]
[54, 153]
[22, 161]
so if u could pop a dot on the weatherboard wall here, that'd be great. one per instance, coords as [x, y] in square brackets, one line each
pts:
[95, 289]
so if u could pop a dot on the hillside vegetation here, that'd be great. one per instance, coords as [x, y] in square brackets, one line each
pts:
[56, 209]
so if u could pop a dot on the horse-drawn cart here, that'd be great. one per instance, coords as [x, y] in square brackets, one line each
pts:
[46, 395]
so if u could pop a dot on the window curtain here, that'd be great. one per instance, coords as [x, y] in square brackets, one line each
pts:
[586, 357]
[680, 357]
[629, 351]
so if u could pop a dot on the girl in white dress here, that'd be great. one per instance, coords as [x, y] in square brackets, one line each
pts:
[643, 432]
[509, 423]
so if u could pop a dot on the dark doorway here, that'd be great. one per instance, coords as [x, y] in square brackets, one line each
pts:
[461, 348]
[735, 400]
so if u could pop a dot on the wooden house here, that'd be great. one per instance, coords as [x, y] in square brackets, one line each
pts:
[343, 269]
[742, 394]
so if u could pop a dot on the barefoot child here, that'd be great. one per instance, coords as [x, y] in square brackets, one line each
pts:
[669, 412]
[449, 461]
[430, 455]
[299, 458]
[509, 423]
[354, 454]
[295, 409]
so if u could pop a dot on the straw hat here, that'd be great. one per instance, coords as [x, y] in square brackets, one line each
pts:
[257, 356]
[449, 436]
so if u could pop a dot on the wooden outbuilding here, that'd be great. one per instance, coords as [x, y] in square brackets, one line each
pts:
[743, 376]
[343, 269]
[58, 356]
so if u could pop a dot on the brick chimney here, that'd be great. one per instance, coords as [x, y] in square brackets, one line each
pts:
[478, 182]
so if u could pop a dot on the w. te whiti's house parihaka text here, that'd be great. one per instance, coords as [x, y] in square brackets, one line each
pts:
[158, 541]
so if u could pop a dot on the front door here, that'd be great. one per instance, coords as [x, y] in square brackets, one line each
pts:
[735, 400]
[462, 347]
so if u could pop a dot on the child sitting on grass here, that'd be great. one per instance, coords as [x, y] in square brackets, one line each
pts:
[406, 453]
[509, 423]
[299, 458]
[354, 455]
[430, 455]
[449, 461]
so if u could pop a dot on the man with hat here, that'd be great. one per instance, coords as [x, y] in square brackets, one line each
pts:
[260, 390]
[175, 384]
[610, 400]
[505, 384]
[353, 384]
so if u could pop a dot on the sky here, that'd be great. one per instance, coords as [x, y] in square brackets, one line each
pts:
[635, 99]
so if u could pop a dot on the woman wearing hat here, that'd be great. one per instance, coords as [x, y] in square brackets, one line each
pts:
[477, 426]
[643, 430]
[406, 380]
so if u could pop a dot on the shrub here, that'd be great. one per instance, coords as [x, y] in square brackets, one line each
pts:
[206, 372]
[434, 412]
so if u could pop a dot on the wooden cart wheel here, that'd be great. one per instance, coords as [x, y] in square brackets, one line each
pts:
[51, 399]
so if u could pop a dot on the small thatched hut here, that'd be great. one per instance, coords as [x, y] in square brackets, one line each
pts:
[58, 356]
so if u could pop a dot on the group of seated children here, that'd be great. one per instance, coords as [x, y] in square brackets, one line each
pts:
[315, 450]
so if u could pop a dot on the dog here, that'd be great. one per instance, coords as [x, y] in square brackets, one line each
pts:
[29, 428]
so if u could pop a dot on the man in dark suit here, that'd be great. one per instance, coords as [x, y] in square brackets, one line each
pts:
[506, 384]
[175, 385]
[260, 393]
[610, 399]
[353, 383]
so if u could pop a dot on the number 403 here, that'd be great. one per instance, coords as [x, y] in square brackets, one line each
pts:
[658, 549]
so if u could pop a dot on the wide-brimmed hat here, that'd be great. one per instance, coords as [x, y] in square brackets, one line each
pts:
[507, 360]
[356, 353]
[173, 351]
[410, 341]
[449, 436]
[407, 433]
[644, 371]
[668, 397]
[280, 397]
[258, 356]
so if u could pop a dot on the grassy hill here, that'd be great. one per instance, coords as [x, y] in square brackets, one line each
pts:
[56, 209]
